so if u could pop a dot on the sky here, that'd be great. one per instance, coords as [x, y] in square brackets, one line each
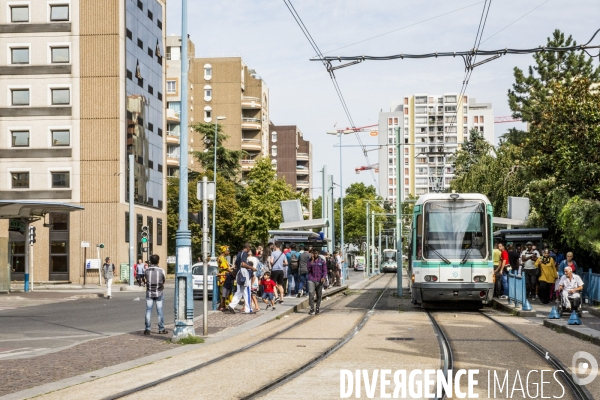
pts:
[267, 37]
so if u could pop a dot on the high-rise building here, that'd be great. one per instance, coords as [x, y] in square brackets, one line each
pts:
[292, 156]
[434, 126]
[83, 84]
[221, 86]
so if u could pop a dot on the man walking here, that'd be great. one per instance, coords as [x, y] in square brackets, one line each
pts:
[155, 286]
[303, 271]
[243, 274]
[317, 272]
[108, 271]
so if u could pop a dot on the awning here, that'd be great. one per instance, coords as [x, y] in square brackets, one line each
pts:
[29, 209]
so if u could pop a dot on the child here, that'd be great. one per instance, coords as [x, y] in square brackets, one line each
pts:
[269, 289]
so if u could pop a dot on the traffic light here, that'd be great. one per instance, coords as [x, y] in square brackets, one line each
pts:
[32, 234]
[145, 234]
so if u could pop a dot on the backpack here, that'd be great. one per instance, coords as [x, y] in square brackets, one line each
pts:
[294, 261]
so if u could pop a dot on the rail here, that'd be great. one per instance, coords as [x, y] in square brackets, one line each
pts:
[591, 286]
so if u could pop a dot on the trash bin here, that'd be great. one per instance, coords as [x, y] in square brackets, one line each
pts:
[124, 273]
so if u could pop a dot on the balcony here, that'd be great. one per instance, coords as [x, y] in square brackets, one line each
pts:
[302, 156]
[251, 144]
[172, 115]
[251, 124]
[172, 137]
[248, 164]
[251, 103]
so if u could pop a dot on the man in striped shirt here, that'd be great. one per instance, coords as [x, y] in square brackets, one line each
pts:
[155, 286]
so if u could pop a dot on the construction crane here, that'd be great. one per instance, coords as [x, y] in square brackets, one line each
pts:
[367, 167]
[501, 120]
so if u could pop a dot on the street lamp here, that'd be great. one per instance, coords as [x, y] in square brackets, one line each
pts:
[339, 134]
[214, 210]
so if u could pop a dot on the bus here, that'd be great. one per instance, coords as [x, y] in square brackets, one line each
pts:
[450, 250]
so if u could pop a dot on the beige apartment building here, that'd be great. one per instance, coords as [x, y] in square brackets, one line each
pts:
[83, 86]
[219, 87]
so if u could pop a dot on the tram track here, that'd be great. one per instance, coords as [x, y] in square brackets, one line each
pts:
[237, 351]
[448, 362]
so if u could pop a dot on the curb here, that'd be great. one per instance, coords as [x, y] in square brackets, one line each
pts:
[512, 309]
[575, 332]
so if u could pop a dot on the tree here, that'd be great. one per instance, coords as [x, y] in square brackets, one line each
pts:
[531, 91]
[260, 210]
[228, 161]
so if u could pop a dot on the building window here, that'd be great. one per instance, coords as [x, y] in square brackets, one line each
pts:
[274, 151]
[20, 180]
[274, 137]
[171, 87]
[60, 54]
[20, 97]
[20, 138]
[59, 12]
[19, 55]
[61, 138]
[159, 232]
[19, 14]
[61, 96]
[60, 180]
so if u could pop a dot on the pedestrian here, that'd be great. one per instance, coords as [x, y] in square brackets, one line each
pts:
[529, 257]
[302, 285]
[140, 273]
[293, 261]
[504, 267]
[547, 276]
[155, 286]
[242, 279]
[108, 271]
[269, 286]
[278, 262]
[317, 274]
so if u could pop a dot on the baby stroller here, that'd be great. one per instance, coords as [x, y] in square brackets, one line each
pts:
[576, 305]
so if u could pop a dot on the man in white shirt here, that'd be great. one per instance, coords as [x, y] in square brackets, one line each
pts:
[570, 284]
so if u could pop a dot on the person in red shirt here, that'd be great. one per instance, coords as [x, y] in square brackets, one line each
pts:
[269, 286]
[504, 266]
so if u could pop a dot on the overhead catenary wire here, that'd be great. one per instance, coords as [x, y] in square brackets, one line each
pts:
[327, 65]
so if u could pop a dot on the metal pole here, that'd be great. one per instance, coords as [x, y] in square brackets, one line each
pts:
[368, 243]
[342, 249]
[399, 195]
[132, 235]
[205, 255]
[184, 299]
[214, 205]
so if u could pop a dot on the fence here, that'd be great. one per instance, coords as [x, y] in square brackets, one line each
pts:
[517, 291]
[591, 286]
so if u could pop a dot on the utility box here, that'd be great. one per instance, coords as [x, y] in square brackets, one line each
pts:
[518, 208]
[124, 273]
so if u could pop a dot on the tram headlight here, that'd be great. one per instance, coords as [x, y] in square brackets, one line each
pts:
[479, 278]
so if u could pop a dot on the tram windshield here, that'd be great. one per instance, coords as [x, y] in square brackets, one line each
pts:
[455, 230]
[389, 256]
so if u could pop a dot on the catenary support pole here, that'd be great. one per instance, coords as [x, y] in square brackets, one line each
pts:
[184, 299]
[205, 255]
[399, 196]
[132, 235]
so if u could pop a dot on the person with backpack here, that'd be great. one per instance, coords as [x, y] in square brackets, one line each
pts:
[293, 261]
[108, 271]
[243, 274]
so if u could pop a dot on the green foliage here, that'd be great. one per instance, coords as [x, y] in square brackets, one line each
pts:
[228, 161]
[260, 210]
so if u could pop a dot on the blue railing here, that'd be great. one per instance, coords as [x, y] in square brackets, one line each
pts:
[591, 286]
[517, 291]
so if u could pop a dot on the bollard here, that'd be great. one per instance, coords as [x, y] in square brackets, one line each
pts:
[554, 314]
[215, 294]
[574, 319]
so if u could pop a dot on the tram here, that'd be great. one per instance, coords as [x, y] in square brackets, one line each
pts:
[388, 264]
[450, 250]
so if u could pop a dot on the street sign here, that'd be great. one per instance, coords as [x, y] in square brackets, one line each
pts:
[92, 263]
[211, 191]
[85, 244]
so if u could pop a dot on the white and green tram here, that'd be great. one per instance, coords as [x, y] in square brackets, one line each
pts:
[450, 250]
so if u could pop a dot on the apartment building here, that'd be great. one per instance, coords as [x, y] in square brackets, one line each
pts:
[221, 87]
[83, 84]
[434, 126]
[291, 155]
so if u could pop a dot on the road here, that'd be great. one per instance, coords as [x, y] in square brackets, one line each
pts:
[36, 330]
